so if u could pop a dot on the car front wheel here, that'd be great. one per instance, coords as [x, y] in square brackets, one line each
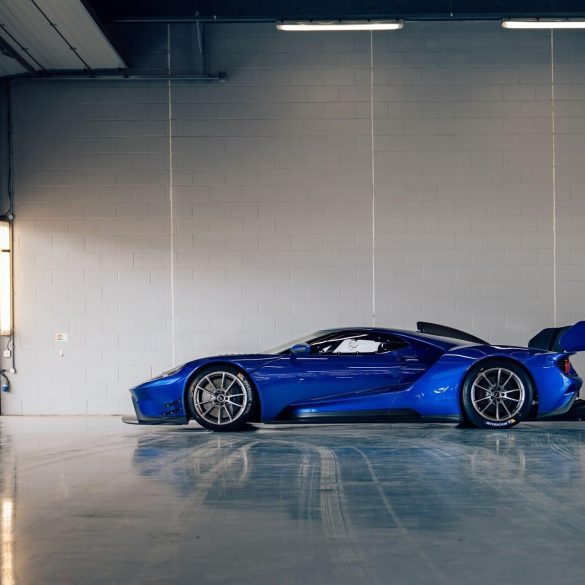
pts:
[221, 398]
[498, 394]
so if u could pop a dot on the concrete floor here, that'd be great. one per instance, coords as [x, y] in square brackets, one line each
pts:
[90, 500]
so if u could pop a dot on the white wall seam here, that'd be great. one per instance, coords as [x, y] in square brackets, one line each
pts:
[372, 145]
[171, 210]
[554, 173]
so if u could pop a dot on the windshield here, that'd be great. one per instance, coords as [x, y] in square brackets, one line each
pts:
[286, 346]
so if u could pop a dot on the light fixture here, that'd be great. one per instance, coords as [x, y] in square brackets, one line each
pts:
[330, 25]
[543, 23]
[5, 278]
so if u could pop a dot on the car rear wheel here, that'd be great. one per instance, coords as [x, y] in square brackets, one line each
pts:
[221, 398]
[498, 394]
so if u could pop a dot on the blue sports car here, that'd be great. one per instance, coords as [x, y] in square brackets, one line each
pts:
[361, 374]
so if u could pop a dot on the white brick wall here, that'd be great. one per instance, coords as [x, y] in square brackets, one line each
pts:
[570, 153]
[92, 241]
[470, 193]
[272, 199]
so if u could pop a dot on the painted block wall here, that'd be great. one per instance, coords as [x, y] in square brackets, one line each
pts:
[464, 179]
[288, 212]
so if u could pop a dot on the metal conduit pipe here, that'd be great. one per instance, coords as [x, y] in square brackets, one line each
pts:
[96, 76]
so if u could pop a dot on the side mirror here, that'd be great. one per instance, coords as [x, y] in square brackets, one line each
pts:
[301, 349]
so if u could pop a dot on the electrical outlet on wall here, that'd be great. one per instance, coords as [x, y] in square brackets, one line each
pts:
[60, 336]
[7, 353]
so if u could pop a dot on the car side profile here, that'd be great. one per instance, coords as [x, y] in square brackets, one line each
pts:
[361, 374]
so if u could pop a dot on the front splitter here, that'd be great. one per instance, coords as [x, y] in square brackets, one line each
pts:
[132, 420]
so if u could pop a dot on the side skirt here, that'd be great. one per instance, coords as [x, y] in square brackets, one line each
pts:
[402, 415]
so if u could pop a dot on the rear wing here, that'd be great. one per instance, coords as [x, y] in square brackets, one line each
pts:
[444, 331]
[570, 338]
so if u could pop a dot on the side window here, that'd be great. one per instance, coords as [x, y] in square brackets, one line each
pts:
[357, 345]
[356, 342]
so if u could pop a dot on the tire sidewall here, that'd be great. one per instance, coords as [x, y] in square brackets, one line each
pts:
[241, 421]
[472, 416]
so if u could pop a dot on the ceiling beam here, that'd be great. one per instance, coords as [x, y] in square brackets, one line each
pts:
[260, 10]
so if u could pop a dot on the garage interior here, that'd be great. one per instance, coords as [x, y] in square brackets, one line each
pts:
[181, 179]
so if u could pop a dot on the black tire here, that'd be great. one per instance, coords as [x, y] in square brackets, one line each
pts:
[497, 394]
[221, 398]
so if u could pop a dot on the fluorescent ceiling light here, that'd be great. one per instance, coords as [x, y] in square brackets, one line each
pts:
[540, 23]
[318, 25]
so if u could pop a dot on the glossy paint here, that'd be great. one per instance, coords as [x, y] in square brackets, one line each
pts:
[424, 378]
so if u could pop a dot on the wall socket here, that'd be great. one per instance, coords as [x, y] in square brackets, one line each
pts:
[6, 353]
[60, 336]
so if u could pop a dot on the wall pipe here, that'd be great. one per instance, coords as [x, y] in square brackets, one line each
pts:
[97, 76]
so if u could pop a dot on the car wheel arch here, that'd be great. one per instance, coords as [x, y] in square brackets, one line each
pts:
[495, 359]
[257, 405]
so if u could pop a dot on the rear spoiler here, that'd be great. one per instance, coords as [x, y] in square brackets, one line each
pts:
[444, 331]
[560, 339]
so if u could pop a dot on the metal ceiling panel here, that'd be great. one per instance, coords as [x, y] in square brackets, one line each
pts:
[81, 30]
[56, 34]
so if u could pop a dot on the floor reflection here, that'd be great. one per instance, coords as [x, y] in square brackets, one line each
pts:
[342, 478]
[97, 502]
[6, 534]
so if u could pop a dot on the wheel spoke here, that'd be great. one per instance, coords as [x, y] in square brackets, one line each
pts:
[236, 395]
[233, 403]
[211, 382]
[208, 410]
[497, 411]
[488, 405]
[202, 388]
[228, 413]
[506, 409]
[484, 398]
[231, 384]
[499, 376]
[478, 385]
[512, 399]
[222, 380]
[510, 376]
[202, 402]
[482, 375]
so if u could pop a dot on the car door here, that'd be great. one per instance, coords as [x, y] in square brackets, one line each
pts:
[347, 362]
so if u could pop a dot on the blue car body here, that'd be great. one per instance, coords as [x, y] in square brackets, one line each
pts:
[421, 379]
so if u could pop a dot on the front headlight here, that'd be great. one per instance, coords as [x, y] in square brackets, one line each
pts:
[169, 372]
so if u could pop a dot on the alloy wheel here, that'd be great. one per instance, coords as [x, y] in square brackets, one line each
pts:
[220, 398]
[498, 394]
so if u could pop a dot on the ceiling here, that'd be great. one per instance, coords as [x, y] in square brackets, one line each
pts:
[48, 38]
[42, 36]
[116, 10]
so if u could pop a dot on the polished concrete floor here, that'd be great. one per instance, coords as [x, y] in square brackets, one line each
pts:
[90, 500]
